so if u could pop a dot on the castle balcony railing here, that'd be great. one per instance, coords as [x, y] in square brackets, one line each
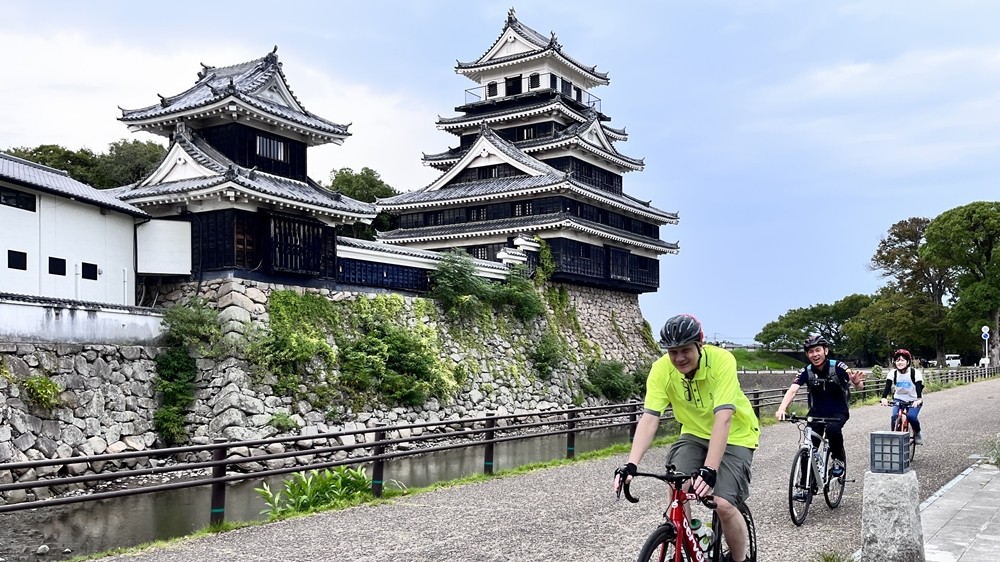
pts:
[521, 86]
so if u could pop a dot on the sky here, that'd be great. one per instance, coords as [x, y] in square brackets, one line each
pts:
[788, 135]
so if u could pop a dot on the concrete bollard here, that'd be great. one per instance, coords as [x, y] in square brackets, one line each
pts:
[890, 519]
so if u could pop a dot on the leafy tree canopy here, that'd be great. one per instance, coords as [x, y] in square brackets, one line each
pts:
[126, 162]
[967, 238]
[366, 186]
[792, 328]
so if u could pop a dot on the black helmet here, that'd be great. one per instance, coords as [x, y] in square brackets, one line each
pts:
[813, 341]
[681, 330]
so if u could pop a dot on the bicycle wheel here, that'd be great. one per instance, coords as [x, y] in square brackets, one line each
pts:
[833, 490]
[661, 546]
[800, 487]
[720, 548]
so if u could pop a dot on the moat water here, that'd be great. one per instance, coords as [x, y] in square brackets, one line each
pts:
[90, 527]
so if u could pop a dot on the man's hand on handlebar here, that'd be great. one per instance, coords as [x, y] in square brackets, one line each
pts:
[623, 475]
[704, 484]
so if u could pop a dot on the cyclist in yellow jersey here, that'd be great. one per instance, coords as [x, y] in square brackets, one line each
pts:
[719, 431]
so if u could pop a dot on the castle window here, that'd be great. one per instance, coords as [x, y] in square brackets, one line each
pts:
[17, 199]
[512, 85]
[89, 271]
[57, 266]
[491, 89]
[534, 81]
[528, 133]
[17, 260]
[271, 148]
[567, 87]
[522, 209]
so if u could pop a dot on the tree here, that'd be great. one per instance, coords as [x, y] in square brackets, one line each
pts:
[80, 164]
[366, 186]
[919, 288]
[968, 239]
[792, 328]
[125, 162]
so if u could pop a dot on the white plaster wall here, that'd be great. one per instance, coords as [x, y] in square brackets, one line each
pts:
[38, 322]
[77, 232]
[20, 233]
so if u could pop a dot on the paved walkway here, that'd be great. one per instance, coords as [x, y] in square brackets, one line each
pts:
[962, 520]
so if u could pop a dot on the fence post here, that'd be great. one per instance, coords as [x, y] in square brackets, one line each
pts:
[491, 423]
[633, 417]
[571, 435]
[378, 467]
[218, 513]
[755, 400]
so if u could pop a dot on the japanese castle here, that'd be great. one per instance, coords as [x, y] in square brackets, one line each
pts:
[536, 159]
[236, 171]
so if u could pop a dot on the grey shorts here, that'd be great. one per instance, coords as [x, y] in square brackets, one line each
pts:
[688, 453]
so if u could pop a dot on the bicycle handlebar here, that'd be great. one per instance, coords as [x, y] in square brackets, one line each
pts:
[809, 419]
[670, 477]
[901, 403]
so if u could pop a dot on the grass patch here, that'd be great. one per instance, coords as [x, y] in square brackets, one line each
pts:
[760, 360]
[831, 556]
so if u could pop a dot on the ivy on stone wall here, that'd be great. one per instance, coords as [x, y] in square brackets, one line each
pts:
[191, 327]
[353, 352]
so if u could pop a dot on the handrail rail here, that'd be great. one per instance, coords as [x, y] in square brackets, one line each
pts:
[571, 420]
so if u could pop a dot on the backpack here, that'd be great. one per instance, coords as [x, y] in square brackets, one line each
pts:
[815, 382]
[896, 372]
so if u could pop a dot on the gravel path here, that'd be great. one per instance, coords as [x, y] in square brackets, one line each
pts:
[569, 513]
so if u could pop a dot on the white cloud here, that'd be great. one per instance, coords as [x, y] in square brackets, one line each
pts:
[920, 111]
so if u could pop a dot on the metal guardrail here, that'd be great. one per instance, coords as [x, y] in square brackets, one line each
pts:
[484, 431]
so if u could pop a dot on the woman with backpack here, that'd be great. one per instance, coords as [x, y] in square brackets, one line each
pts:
[909, 384]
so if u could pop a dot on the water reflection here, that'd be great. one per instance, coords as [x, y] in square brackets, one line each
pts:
[91, 527]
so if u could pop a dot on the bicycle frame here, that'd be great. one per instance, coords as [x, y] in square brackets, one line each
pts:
[677, 515]
[903, 416]
[685, 541]
[818, 455]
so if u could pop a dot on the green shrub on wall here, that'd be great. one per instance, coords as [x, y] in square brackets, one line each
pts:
[42, 391]
[193, 326]
[378, 358]
[608, 379]
[547, 354]
[463, 294]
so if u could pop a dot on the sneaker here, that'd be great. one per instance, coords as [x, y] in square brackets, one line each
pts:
[918, 439]
[837, 470]
[800, 496]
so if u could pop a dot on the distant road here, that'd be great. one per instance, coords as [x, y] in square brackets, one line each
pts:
[569, 513]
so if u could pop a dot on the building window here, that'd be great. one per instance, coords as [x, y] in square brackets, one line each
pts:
[491, 89]
[57, 266]
[512, 85]
[18, 199]
[271, 148]
[89, 270]
[534, 81]
[17, 260]
[528, 133]
[522, 209]
[567, 87]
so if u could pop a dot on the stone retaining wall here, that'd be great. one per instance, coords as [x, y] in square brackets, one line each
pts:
[109, 398]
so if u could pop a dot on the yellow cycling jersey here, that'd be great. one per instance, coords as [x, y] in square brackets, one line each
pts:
[714, 387]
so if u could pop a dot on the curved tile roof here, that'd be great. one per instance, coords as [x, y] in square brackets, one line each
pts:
[242, 81]
[308, 192]
[537, 39]
[531, 222]
[50, 180]
[398, 250]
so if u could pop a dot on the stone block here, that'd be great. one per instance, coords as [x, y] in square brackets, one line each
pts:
[890, 519]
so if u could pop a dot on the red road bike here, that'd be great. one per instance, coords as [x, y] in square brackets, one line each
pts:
[674, 540]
